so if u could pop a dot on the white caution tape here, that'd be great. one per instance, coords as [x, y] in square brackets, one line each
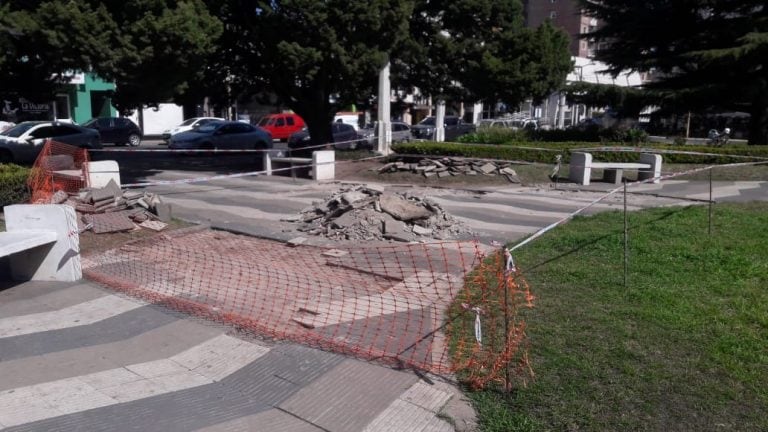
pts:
[237, 175]
[570, 216]
[666, 151]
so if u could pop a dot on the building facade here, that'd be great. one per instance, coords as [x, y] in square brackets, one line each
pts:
[82, 98]
[567, 15]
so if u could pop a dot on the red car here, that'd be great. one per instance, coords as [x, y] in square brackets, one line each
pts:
[282, 125]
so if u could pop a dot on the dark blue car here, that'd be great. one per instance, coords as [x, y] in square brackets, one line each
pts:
[222, 135]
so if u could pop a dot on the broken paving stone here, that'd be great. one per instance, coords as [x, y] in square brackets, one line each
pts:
[487, 168]
[336, 253]
[153, 225]
[442, 174]
[110, 222]
[296, 241]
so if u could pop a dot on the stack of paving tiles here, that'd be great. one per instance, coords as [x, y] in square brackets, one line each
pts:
[454, 166]
[110, 209]
[368, 213]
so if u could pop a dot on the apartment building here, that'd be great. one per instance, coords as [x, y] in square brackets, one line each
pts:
[567, 15]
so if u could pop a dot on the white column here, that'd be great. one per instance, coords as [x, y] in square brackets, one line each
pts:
[561, 111]
[477, 112]
[384, 115]
[440, 121]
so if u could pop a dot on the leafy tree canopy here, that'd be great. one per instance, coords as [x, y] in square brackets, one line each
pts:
[480, 50]
[315, 56]
[149, 48]
[705, 54]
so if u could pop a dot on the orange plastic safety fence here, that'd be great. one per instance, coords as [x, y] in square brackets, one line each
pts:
[58, 167]
[491, 344]
[387, 303]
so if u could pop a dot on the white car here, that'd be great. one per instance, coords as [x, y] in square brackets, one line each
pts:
[188, 125]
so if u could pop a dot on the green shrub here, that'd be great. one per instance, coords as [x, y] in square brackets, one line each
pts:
[495, 136]
[13, 184]
[545, 152]
[591, 134]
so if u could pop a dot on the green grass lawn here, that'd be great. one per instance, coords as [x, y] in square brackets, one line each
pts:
[683, 347]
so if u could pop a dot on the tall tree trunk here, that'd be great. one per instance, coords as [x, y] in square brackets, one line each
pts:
[758, 122]
[318, 115]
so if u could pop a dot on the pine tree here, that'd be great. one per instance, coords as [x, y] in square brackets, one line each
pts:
[706, 54]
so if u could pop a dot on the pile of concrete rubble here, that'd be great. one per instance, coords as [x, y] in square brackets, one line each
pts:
[454, 166]
[368, 213]
[111, 209]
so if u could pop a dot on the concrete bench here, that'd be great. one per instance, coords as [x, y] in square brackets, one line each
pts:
[321, 163]
[41, 242]
[581, 166]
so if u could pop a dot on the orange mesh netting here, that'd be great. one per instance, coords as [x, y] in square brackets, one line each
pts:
[387, 303]
[58, 167]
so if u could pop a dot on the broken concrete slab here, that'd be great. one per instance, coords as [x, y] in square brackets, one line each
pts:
[401, 209]
[422, 231]
[163, 212]
[352, 197]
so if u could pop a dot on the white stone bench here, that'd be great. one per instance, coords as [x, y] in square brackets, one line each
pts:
[580, 170]
[321, 162]
[41, 242]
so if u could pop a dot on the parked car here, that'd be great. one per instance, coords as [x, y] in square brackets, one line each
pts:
[344, 134]
[401, 132]
[23, 142]
[188, 125]
[116, 130]
[454, 128]
[222, 135]
[282, 125]
[350, 118]
[495, 123]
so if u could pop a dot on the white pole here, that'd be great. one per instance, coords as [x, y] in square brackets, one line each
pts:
[384, 114]
[440, 121]
[477, 112]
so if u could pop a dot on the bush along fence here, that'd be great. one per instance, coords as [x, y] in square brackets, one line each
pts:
[13, 184]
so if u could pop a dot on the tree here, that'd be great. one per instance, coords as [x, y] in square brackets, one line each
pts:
[315, 56]
[707, 54]
[481, 50]
[149, 48]
[161, 48]
[41, 41]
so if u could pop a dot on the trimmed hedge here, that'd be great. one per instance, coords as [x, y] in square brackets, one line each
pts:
[494, 136]
[529, 151]
[13, 184]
